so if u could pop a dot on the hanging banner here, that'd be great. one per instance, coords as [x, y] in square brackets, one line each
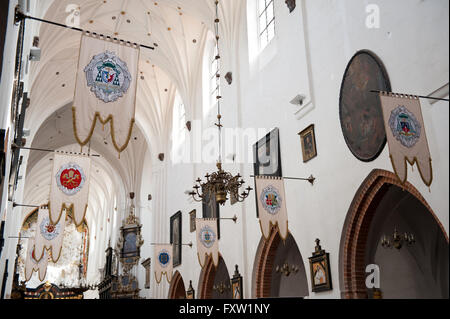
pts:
[406, 135]
[49, 236]
[164, 262]
[69, 187]
[35, 262]
[271, 200]
[105, 89]
[207, 240]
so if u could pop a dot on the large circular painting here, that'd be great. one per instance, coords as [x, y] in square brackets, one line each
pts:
[359, 109]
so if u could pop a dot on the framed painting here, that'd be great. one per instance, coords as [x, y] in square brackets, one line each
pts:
[360, 111]
[267, 157]
[210, 209]
[236, 285]
[130, 248]
[320, 269]
[308, 141]
[192, 217]
[190, 293]
[175, 237]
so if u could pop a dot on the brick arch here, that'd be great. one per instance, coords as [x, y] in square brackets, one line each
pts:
[177, 289]
[356, 229]
[264, 260]
[207, 276]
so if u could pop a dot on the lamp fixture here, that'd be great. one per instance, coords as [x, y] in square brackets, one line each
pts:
[287, 269]
[397, 240]
[219, 184]
[221, 288]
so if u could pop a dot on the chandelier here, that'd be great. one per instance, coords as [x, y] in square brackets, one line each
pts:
[397, 240]
[219, 184]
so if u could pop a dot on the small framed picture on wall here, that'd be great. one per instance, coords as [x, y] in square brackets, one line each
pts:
[192, 217]
[308, 141]
[175, 237]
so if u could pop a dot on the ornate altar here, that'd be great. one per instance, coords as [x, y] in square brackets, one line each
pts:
[126, 286]
[51, 291]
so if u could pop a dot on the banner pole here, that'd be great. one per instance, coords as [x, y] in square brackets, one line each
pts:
[421, 96]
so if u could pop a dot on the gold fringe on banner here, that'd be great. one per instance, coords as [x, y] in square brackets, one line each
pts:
[98, 117]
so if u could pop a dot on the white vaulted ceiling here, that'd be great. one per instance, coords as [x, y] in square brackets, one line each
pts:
[177, 29]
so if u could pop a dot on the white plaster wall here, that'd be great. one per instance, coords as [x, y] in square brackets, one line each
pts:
[309, 54]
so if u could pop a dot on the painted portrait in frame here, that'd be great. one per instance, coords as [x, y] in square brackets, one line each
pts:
[320, 269]
[175, 237]
[267, 157]
[308, 141]
[192, 217]
[236, 285]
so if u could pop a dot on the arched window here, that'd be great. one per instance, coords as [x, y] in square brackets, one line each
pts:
[178, 124]
[266, 22]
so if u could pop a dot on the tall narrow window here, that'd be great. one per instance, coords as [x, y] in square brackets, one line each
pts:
[178, 124]
[266, 22]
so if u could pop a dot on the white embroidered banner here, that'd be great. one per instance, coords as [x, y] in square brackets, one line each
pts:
[69, 186]
[406, 135]
[49, 236]
[164, 262]
[271, 200]
[207, 240]
[35, 262]
[105, 89]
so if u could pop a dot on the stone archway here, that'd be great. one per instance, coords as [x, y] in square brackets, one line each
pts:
[266, 281]
[356, 228]
[177, 289]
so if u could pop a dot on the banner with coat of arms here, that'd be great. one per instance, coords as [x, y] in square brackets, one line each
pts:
[105, 89]
[35, 262]
[405, 132]
[164, 262]
[49, 236]
[207, 240]
[271, 200]
[69, 186]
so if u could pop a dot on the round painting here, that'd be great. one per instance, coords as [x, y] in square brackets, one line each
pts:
[359, 109]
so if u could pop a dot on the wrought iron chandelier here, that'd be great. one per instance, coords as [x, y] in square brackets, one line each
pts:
[219, 184]
[397, 240]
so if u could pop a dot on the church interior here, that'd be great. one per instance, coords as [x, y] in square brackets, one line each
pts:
[224, 149]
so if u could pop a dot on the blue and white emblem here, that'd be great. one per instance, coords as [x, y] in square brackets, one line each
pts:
[108, 76]
[207, 236]
[164, 258]
[404, 126]
[271, 200]
[48, 230]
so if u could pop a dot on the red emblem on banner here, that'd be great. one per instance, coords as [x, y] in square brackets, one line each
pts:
[70, 178]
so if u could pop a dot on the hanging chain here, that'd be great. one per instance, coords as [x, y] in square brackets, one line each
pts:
[218, 97]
